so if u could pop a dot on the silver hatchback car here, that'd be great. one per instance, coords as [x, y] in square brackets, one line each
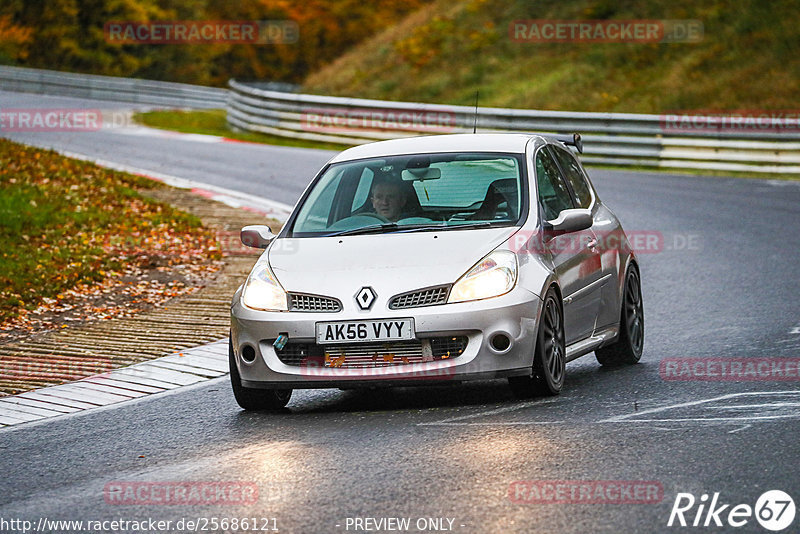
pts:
[436, 259]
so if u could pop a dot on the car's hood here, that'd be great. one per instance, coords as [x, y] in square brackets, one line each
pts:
[389, 263]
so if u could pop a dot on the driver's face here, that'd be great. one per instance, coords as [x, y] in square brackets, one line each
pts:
[388, 201]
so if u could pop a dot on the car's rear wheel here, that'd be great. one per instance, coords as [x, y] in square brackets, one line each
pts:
[627, 349]
[549, 362]
[255, 399]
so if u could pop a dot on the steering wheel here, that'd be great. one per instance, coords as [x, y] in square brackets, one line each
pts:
[376, 216]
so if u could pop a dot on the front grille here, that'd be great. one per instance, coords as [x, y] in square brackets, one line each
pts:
[360, 355]
[423, 297]
[313, 303]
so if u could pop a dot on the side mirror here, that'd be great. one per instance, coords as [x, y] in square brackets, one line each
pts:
[572, 220]
[257, 236]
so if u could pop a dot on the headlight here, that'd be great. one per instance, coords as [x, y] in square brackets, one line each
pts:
[262, 291]
[493, 276]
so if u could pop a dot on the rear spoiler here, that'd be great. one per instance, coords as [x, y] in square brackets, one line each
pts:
[569, 140]
[572, 140]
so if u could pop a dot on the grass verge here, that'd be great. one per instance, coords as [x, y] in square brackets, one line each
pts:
[68, 224]
[212, 122]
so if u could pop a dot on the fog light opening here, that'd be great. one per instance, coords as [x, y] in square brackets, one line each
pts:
[500, 343]
[248, 353]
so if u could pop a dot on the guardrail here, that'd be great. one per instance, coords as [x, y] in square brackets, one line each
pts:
[622, 139]
[148, 92]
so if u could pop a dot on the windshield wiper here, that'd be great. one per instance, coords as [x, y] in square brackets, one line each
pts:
[372, 229]
[407, 228]
[482, 224]
[435, 227]
[394, 227]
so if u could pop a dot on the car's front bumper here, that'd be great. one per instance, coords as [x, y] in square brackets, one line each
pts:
[514, 315]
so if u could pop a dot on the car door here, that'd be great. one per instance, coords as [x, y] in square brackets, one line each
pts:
[607, 232]
[575, 262]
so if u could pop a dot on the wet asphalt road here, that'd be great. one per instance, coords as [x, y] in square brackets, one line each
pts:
[723, 284]
[280, 176]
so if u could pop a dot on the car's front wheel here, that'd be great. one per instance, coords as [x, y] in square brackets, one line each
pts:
[549, 362]
[627, 349]
[255, 399]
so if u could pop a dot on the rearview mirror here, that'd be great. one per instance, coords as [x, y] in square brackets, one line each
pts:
[421, 174]
[572, 220]
[257, 236]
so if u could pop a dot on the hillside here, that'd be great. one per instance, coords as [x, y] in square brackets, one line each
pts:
[748, 59]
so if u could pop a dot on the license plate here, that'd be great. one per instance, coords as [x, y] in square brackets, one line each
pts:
[365, 331]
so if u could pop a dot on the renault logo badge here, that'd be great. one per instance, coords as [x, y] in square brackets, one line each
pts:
[365, 298]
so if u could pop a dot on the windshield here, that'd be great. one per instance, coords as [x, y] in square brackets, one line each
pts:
[414, 193]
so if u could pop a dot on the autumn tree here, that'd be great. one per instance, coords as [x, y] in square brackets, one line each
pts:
[69, 35]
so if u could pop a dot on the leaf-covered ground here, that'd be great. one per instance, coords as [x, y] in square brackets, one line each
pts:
[80, 242]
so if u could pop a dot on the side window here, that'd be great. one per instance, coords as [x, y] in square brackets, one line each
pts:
[553, 192]
[576, 178]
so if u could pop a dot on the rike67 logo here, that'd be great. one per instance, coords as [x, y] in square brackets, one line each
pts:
[774, 510]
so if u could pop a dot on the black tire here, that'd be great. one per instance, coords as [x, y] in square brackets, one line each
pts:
[627, 349]
[549, 362]
[252, 399]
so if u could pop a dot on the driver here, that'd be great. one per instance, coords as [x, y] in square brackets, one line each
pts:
[388, 199]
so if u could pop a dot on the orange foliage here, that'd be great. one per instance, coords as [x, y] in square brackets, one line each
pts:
[12, 37]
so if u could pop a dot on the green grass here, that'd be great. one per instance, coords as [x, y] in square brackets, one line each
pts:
[749, 59]
[212, 122]
[65, 222]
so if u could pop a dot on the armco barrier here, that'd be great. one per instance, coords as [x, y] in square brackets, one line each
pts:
[609, 138]
[146, 92]
[622, 139]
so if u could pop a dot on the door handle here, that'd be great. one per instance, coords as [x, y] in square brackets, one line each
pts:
[592, 243]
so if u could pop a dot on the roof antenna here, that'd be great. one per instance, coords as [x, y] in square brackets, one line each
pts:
[475, 122]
